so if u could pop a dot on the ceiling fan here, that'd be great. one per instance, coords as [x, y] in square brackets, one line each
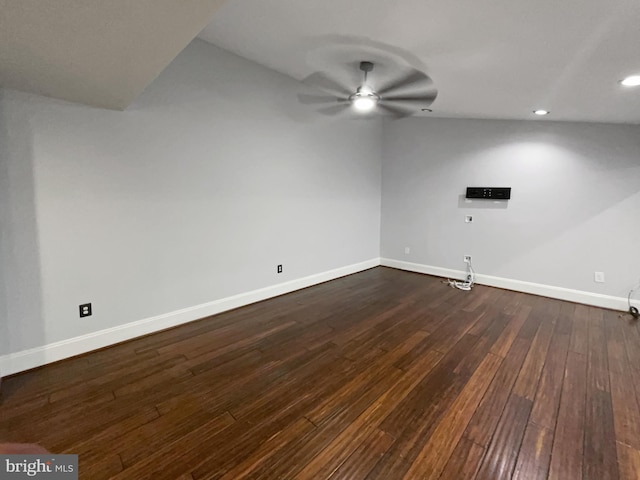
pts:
[411, 93]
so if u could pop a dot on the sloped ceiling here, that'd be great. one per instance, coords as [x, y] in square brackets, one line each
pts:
[488, 58]
[97, 52]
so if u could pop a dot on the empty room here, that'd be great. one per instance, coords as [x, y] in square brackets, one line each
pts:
[319, 240]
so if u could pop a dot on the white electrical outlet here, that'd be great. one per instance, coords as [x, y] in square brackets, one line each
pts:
[407, 250]
[467, 258]
[598, 277]
[468, 218]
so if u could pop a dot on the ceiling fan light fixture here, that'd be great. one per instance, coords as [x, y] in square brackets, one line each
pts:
[632, 81]
[364, 103]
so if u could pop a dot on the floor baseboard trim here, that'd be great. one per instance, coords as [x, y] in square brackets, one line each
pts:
[39, 356]
[561, 293]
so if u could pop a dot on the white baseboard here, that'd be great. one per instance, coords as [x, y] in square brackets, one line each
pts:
[577, 296]
[36, 357]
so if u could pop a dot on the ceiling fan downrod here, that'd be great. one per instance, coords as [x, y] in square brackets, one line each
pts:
[365, 98]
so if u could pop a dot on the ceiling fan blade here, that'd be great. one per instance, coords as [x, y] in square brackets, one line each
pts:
[411, 84]
[324, 82]
[334, 109]
[395, 110]
[318, 99]
[417, 102]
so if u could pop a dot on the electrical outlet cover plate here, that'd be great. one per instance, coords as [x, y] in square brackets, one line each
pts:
[85, 310]
[466, 258]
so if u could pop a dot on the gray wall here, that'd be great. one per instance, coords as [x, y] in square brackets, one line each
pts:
[4, 231]
[575, 206]
[196, 192]
[21, 315]
[217, 173]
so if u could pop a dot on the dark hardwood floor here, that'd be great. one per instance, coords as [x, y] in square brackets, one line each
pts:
[379, 375]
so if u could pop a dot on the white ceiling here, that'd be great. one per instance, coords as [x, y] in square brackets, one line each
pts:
[488, 58]
[98, 52]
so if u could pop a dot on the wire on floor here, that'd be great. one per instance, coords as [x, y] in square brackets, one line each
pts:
[468, 284]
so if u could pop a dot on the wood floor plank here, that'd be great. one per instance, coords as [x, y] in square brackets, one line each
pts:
[175, 458]
[626, 415]
[217, 356]
[268, 449]
[365, 457]
[503, 344]
[628, 461]
[568, 444]
[479, 296]
[119, 378]
[484, 321]
[448, 333]
[486, 417]
[278, 415]
[415, 419]
[364, 328]
[109, 435]
[100, 468]
[435, 454]
[389, 334]
[383, 374]
[535, 454]
[464, 461]
[340, 447]
[529, 376]
[631, 340]
[52, 422]
[502, 452]
[599, 439]
[290, 382]
[597, 364]
[616, 349]
[580, 330]
[547, 399]
[356, 424]
[382, 367]
[144, 441]
[431, 386]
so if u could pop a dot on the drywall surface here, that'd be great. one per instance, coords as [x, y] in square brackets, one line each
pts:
[20, 282]
[213, 176]
[4, 234]
[575, 206]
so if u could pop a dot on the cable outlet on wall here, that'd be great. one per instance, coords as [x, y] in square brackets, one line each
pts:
[279, 269]
[467, 259]
[598, 277]
[407, 250]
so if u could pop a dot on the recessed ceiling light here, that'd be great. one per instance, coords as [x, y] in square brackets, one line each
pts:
[632, 81]
[541, 112]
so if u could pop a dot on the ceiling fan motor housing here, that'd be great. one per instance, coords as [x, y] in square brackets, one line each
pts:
[366, 66]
